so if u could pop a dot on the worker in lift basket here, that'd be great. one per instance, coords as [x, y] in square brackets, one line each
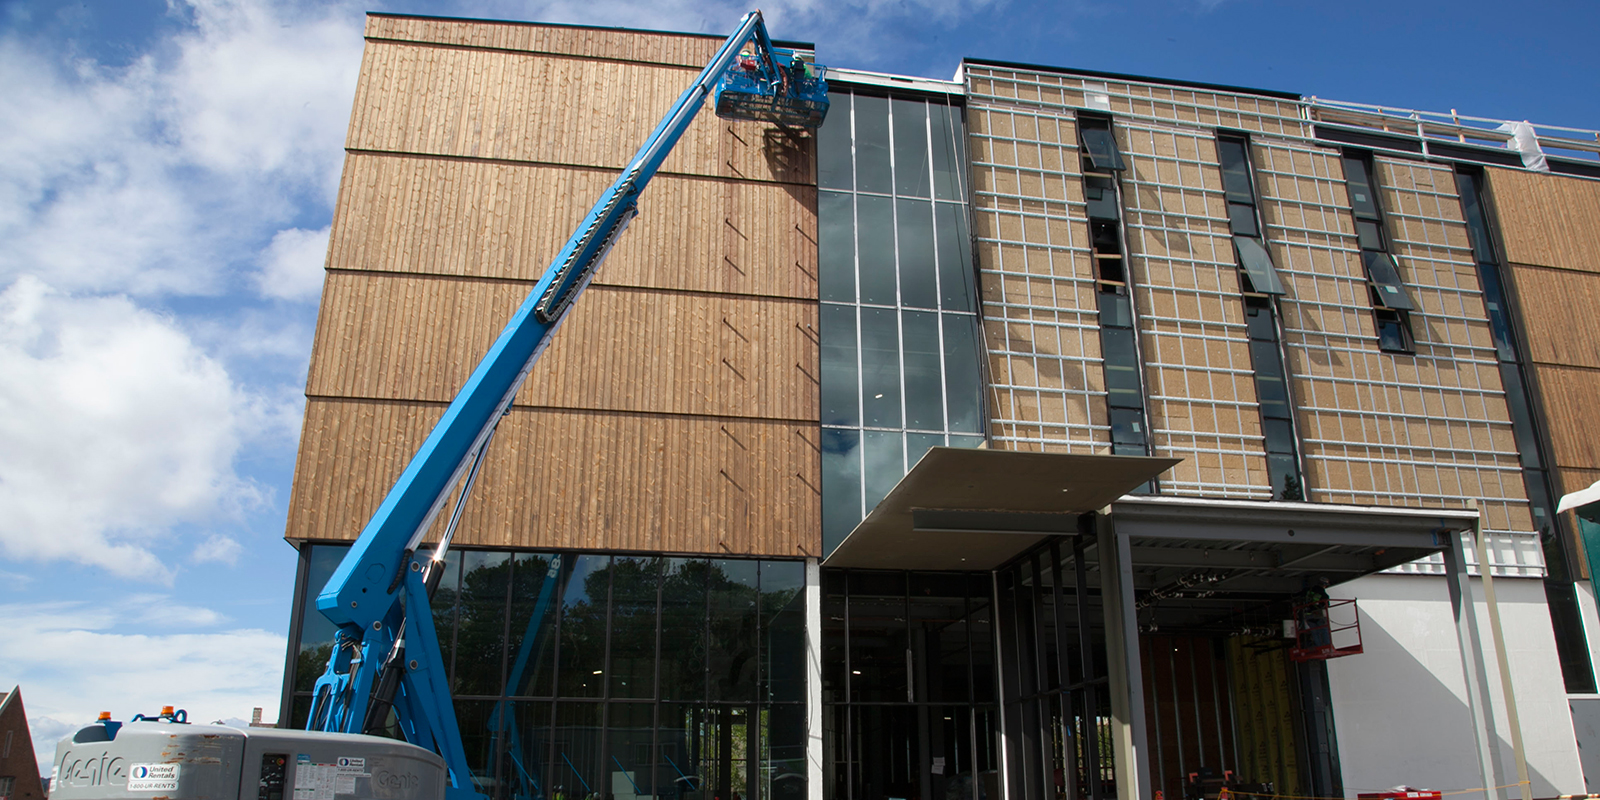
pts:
[1314, 617]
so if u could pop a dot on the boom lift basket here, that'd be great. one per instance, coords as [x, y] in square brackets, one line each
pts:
[1325, 629]
[796, 95]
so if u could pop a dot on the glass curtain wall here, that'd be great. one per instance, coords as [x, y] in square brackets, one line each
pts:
[578, 675]
[901, 354]
[1056, 684]
[908, 686]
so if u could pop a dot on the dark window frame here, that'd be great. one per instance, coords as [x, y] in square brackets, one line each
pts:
[1391, 302]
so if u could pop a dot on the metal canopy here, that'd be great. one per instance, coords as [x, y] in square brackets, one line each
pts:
[962, 509]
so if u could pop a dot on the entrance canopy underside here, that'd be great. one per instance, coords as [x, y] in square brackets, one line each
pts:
[979, 509]
[962, 509]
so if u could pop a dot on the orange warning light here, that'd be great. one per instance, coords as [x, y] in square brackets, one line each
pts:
[104, 715]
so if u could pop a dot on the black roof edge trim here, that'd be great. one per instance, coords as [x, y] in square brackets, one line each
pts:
[785, 43]
[1466, 152]
[954, 97]
[1362, 137]
[1588, 169]
[1120, 76]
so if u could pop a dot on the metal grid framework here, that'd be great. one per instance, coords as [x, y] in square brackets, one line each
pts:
[1430, 429]
[1040, 319]
[1198, 375]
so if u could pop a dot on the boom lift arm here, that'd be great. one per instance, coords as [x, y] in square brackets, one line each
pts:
[386, 656]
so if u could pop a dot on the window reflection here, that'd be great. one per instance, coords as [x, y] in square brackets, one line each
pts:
[736, 626]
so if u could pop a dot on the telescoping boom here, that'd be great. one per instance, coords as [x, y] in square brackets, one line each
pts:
[386, 663]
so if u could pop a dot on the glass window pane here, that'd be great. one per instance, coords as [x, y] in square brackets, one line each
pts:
[1285, 476]
[880, 367]
[1521, 417]
[878, 644]
[1360, 186]
[980, 624]
[783, 631]
[1279, 434]
[924, 384]
[1235, 171]
[783, 756]
[575, 766]
[477, 739]
[1257, 264]
[833, 145]
[955, 258]
[1115, 310]
[1100, 193]
[884, 455]
[1270, 387]
[1477, 221]
[1242, 219]
[526, 764]
[963, 373]
[918, 445]
[732, 590]
[1368, 235]
[684, 742]
[1101, 147]
[919, 285]
[841, 485]
[630, 729]
[534, 579]
[948, 152]
[316, 630]
[1391, 334]
[841, 396]
[583, 627]
[633, 626]
[1258, 316]
[957, 440]
[481, 626]
[836, 247]
[912, 177]
[1385, 275]
[1121, 368]
[875, 229]
[872, 144]
[683, 625]
[1127, 427]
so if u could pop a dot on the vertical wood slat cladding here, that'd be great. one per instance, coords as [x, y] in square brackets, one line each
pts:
[487, 219]
[551, 109]
[1559, 308]
[411, 338]
[683, 50]
[563, 478]
[1548, 220]
[488, 159]
[1572, 405]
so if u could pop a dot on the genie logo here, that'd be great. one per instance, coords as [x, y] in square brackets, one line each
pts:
[396, 783]
[98, 769]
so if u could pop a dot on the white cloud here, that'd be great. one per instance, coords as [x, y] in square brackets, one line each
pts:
[164, 176]
[218, 548]
[291, 266]
[74, 660]
[114, 428]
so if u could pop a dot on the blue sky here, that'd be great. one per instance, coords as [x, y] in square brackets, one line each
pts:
[168, 177]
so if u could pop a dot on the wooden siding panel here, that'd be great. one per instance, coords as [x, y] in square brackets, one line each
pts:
[497, 220]
[405, 338]
[1559, 309]
[555, 110]
[576, 479]
[1548, 220]
[1572, 404]
[676, 49]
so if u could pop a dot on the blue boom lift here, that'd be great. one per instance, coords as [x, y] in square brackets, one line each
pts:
[386, 659]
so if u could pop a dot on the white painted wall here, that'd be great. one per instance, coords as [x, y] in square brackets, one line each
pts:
[1400, 708]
